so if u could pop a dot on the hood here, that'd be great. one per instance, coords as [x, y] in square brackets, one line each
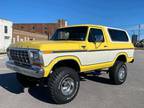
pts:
[50, 45]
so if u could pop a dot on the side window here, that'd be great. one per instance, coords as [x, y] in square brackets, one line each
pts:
[96, 35]
[118, 35]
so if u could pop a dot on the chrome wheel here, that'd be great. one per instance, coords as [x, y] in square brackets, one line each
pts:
[67, 86]
[122, 73]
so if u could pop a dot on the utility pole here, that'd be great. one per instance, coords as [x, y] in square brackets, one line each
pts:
[139, 31]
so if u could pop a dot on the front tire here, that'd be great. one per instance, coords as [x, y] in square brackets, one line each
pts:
[118, 73]
[63, 85]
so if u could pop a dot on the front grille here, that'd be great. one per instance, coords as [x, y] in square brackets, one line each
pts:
[20, 57]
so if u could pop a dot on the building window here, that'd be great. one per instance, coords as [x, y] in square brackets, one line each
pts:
[46, 32]
[6, 37]
[22, 27]
[31, 39]
[33, 27]
[45, 28]
[5, 29]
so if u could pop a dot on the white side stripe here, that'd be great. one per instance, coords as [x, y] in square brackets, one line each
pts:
[88, 58]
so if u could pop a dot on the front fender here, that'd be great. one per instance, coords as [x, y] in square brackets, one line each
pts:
[49, 67]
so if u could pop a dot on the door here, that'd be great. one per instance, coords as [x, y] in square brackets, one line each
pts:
[96, 47]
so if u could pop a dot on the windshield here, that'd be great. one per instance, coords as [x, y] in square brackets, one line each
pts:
[70, 33]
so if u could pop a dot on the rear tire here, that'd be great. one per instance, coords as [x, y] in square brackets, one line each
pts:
[63, 85]
[118, 73]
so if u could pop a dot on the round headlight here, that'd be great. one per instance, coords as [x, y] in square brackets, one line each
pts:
[34, 54]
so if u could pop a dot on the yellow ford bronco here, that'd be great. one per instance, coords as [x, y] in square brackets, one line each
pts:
[71, 50]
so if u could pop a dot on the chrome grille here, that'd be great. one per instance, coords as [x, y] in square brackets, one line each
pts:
[20, 57]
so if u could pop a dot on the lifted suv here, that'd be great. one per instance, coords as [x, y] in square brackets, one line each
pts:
[72, 50]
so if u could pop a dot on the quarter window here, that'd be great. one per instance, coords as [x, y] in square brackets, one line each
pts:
[118, 35]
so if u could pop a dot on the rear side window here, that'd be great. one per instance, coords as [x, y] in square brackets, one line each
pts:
[118, 35]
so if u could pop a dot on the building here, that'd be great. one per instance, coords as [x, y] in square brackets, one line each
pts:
[12, 33]
[5, 34]
[20, 36]
[41, 28]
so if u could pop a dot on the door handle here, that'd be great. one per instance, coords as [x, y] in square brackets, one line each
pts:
[83, 46]
[105, 46]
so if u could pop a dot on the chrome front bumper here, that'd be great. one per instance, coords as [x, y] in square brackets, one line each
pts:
[34, 71]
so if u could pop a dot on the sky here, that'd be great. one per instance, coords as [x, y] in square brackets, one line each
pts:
[115, 13]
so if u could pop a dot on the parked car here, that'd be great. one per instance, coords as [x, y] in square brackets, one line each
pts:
[140, 44]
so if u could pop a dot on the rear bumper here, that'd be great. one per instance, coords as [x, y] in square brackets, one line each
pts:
[132, 61]
[34, 71]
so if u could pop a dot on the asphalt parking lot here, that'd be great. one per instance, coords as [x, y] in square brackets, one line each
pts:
[95, 92]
